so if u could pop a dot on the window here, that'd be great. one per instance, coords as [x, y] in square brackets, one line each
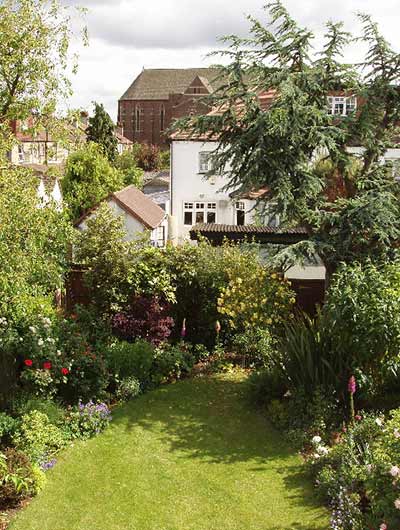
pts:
[204, 162]
[21, 154]
[240, 213]
[199, 212]
[138, 119]
[341, 105]
[158, 237]
[162, 118]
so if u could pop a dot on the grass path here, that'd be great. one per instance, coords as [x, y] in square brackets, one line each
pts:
[189, 456]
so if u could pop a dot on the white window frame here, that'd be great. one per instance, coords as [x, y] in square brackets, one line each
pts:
[157, 237]
[200, 207]
[348, 103]
[21, 154]
[205, 161]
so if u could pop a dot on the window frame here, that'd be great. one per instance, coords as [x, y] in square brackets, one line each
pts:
[196, 208]
[202, 165]
[349, 104]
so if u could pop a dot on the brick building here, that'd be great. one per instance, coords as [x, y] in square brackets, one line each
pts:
[159, 96]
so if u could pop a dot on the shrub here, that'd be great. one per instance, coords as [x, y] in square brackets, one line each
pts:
[26, 403]
[131, 359]
[38, 438]
[19, 478]
[147, 318]
[363, 306]
[147, 156]
[8, 426]
[265, 385]
[257, 346]
[126, 162]
[171, 362]
[88, 419]
[128, 388]
[360, 476]
[255, 297]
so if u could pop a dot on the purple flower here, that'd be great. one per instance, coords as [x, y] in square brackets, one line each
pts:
[44, 466]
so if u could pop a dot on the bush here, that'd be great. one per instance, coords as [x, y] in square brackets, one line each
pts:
[8, 426]
[359, 475]
[38, 438]
[171, 362]
[131, 359]
[128, 389]
[146, 318]
[19, 479]
[126, 162]
[257, 346]
[265, 385]
[88, 420]
[363, 307]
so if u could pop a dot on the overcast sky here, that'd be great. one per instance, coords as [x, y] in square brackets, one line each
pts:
[127, 35]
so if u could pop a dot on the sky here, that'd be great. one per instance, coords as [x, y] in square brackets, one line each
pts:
[126, 36]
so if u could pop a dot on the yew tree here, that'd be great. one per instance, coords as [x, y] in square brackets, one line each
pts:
[275, 133]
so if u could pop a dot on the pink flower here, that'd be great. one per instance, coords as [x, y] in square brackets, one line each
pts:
[352, 385]
[394, 471]
[217, 326]
[183, 330]
[357, 417]
[383, 526]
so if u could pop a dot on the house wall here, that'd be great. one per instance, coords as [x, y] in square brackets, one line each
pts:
[188, 185]
[35, 153]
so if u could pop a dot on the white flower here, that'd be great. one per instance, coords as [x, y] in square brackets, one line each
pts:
[322, 450]
[287, 394]
[316, 439]
[369, 468]
[46, 321]
[379, 422]
[316, 456]
[397, 504]
[394, 471]
[40, 342]
[32, 329]
[396, 433]
[49, 339]
[59, 353]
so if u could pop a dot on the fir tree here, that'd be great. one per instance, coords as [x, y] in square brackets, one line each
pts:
[101, 130]
[287, 143]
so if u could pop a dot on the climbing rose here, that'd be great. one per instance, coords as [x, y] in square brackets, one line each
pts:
[352, 385]
[47, 365]
[64, 371]
[28, 362]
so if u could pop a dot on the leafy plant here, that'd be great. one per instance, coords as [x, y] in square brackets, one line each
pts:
[19, 479]
[101, 130]
[130, 359]
[8, 426]
[88, 419]
[257, 346]
[128, 388]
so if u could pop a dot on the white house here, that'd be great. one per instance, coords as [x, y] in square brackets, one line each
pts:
[139, 213]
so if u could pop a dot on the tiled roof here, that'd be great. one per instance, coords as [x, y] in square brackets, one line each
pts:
[140, 206]
[136, 204]
[159, 83]
[246, 229]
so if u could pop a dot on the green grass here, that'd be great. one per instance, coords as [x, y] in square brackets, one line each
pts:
[189, 456]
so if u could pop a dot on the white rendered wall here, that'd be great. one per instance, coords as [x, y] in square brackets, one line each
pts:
[188, 185]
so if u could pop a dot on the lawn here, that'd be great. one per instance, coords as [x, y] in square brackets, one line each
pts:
[189, 456]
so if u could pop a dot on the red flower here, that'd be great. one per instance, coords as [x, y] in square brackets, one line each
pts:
[64, 371]
[47, 365]
[28, 362]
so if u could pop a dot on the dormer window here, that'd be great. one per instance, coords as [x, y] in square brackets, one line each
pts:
[341, 105]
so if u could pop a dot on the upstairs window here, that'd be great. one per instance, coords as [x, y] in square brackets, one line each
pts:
[341, 105]
[240, 213]
[205, 162]
[199, 212]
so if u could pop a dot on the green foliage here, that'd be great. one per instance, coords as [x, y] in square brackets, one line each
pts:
[126, 162]
[257, 346]
[363, 307]
[34, 63]
[351, 212]
[171, 362]
[87, 420]
[131, 359]
[19, 479]
[118, 268]
[165, 159]
[266, 385]
[101, 130]
[362, 467]
[128, 388]
[26, 403]
[37, 437]
[89, 178]
[147, 156]
[8, 426]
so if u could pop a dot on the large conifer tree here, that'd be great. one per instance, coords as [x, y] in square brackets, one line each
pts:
[101, 130]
